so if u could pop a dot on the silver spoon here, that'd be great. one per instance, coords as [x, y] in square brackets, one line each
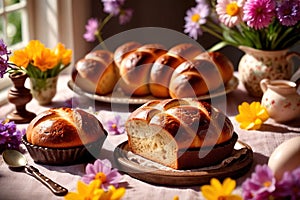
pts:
[16, 160]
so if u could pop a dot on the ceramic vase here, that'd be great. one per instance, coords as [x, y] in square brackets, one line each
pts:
[19, 95]
[256, 65]
[43, 90]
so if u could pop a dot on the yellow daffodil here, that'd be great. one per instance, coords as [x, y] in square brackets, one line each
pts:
[252, 116]
[113, 193]
[91, 191]
[216, 190]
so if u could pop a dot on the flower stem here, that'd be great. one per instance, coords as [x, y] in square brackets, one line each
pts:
[99, 35]
[212, 32]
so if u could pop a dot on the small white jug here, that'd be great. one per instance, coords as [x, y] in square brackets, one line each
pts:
[280, 99]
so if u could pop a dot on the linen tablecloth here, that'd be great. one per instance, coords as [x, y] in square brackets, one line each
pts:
[18, 185]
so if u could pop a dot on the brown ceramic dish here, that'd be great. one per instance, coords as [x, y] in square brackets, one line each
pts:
[64, 156]
[234, 166]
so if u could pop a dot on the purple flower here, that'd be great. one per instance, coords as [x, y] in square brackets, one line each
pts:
[10, 137]
[259, 13]
[112, 6]
[261, 185]
[91, 30]
[115, 126]
[288, 12]
[125, 16]
[102, 169]
[72, 102]
[289, 185]
[194, 18]
[4, 56]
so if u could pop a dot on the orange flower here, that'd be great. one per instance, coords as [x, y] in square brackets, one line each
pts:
[20, 58]
[33, 48]
[45, 59]
[64, 55]
[41, 62]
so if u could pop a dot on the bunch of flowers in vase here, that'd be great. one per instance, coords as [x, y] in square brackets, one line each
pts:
[263, 29]
[42, 65]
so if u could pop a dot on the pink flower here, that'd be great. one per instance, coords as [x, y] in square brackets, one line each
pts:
[112, 6]
[125, 16]
[116, 125]
[230, 11]
[259, 13]
[102, 170]
[194, 18]
[261, 185]
[91, 30]
[289, 185]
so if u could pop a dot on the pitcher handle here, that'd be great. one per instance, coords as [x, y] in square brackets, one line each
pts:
[264, 84]
[293, 54]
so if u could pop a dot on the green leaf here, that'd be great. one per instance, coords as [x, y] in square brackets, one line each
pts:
[218, 46]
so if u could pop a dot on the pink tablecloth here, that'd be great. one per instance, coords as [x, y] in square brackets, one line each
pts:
[17, 185]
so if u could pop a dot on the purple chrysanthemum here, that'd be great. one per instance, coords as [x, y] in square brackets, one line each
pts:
[289, 185]
[102, 169]
[10, 137]
[288, 12]
[125, 16]
[194, 18]
[4, 56]
[259, 13]
[115, 126]
[91, 30]
[261, 185]
[112, 6]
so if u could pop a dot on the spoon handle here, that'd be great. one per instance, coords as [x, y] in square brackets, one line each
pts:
[54, 187]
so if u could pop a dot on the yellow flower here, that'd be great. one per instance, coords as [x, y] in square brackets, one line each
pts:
[113, 193]
[63, 54]
[40, 62]
[176, 197]
[91, 191]
[45, 59]
[217, 191]
[252, 116]
[33, 48]
[20, 58]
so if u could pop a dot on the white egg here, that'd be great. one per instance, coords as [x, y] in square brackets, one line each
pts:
[286, 157]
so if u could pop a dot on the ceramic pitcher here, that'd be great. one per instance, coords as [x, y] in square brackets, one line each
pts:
[256, 65]
[281, 99]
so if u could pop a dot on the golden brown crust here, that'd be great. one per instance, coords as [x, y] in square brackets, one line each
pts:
[161, 72]
[222, 62]
[123, 50]
[64, 128]
[187, 51]
[135, 69]
[194, 78]
[96, 73]
[192, 123]
[151, 69]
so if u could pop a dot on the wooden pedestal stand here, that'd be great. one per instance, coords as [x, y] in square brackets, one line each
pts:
[19, 95]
